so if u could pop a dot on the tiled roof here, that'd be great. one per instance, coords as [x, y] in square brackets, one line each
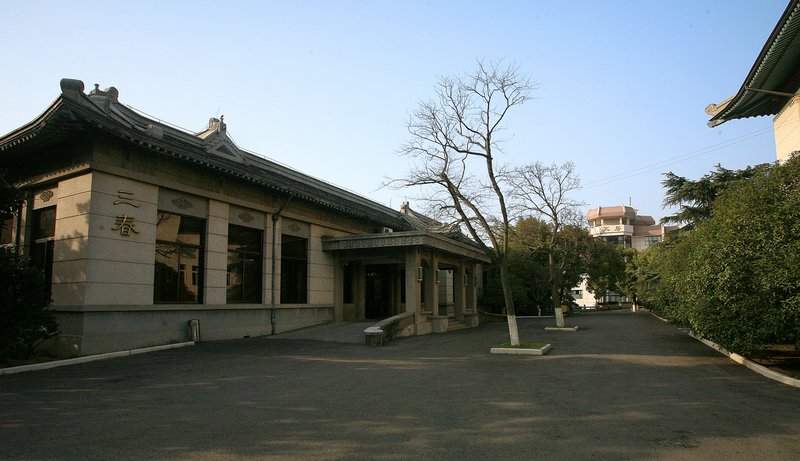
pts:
[611, 212]
[774, 77]
[76, 112]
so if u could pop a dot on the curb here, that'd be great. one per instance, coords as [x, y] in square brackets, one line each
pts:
[89, 358]
[760, 369]
[659, 317]
[520, 351]
[575, 328]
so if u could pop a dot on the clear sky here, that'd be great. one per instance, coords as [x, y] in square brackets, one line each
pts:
[326, 87]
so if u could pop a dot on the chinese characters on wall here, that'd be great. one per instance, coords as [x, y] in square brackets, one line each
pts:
[125, 224]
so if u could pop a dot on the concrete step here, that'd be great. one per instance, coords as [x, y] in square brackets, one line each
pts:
[453, 324]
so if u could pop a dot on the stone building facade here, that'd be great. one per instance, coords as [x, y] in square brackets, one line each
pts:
[140, 228]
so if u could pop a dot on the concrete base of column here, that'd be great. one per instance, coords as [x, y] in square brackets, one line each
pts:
[438, 323]
[472, 320]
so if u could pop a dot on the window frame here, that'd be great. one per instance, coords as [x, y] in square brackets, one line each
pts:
[183, 265]
[239, 257]
[43, 244]
[294, 270]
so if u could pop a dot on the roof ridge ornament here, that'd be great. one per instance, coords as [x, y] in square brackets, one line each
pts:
[105, 98]
[71, 88]
[217, 124]
[110, 94]
[217, 140]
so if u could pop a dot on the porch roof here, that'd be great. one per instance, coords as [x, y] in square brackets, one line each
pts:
[404, 239]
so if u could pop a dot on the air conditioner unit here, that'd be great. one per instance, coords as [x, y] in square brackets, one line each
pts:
[386, 230]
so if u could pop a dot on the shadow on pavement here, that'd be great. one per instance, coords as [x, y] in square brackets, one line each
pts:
[626, 387]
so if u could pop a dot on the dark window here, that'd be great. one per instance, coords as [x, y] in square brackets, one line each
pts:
[651, 239]
[245, 258]
[347, 284]
[621, 240]
[403, 286]
[43, 233]
[44, 223]
[6, 231]
[179, 245]
[294, 270]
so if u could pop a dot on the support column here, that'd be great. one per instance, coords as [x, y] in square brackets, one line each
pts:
[471, 291]
[360, 292]
[471, 317]
[412, 286]
[438, 322]
[430, 286]
[273, 253]
[338, 289]
[459, 292]
[216, 257]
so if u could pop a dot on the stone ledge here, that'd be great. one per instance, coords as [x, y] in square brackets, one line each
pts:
[575, 328]
[521, 351]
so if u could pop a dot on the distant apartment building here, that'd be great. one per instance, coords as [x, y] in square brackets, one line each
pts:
[623, 226]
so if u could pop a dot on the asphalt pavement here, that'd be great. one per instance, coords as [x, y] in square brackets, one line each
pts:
[625, 387]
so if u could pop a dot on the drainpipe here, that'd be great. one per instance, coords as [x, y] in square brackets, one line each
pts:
[23, 208]
[275, 217]
[18, 231]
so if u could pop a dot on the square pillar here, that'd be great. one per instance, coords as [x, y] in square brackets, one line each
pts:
[413, 287]
[216, 257]
[272, 263]
[471, 290]
[471, 316]
[430, 286]
[360, 291]
[459, 292]
[338, 290]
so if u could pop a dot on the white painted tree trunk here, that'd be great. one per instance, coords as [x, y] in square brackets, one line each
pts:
[559, 317]
[513, 333]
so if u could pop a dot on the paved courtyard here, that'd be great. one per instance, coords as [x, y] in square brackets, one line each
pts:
[627, 386]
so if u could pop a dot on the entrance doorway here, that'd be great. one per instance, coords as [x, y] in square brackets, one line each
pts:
[378, 291]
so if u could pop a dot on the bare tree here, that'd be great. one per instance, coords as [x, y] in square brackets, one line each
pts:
[454, 143]
[544, 190]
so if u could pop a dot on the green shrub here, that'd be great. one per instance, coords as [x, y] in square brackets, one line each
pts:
[735, 278]
[25, 320]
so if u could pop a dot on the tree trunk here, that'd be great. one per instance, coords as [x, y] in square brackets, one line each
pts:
[513, 332]
[555, 281]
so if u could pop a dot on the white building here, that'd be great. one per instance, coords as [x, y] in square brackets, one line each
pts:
[619, 225]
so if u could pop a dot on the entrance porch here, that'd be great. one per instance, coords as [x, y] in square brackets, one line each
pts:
[429, 281]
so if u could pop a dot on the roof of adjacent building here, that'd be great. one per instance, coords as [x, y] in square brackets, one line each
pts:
[774, 77]
[100, 110]
[656, 230]
[620, 211]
